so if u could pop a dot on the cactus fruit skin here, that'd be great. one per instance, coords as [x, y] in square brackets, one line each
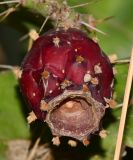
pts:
[67, 60]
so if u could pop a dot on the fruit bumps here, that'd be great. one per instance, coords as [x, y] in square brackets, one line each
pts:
[67, 81]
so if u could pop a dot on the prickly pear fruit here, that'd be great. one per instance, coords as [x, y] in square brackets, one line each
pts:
[66, 79]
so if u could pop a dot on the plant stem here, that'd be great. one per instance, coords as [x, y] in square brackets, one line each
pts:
[124, 110]
[42, 7]
[57, 10]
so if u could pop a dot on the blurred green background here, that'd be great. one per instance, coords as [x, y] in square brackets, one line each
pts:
[13, 110]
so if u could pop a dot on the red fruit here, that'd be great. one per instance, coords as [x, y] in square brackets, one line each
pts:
[66, 78]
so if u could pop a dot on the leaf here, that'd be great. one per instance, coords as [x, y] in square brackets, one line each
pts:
[12, 120]
[13, 123]
[120, 82]
[128, 134]
[3, 149]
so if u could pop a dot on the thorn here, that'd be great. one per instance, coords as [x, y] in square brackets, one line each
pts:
[33, 151]
[93, 28]
[112, 58]
[86, 142]
[94, 81]
[82, 5]
[107, 106]
[44, 106]
[79, 59]
[56, 41]
[6, 13]
[87, 77]
[65, 83]
[112, 83]
[97, 69]
[45, 21]
[119, 105]
[72, 143]
[8, 2]
[4, 66]
[30, 43]
[114, 70]
[85, 88]
[93, 22]
[120, 61]
[112, 103]
[17, 72]
[15, 69]
[104, 19]
[56, 141]
[24, 37]
[32, 117]
[103, 133]
[33, 34]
